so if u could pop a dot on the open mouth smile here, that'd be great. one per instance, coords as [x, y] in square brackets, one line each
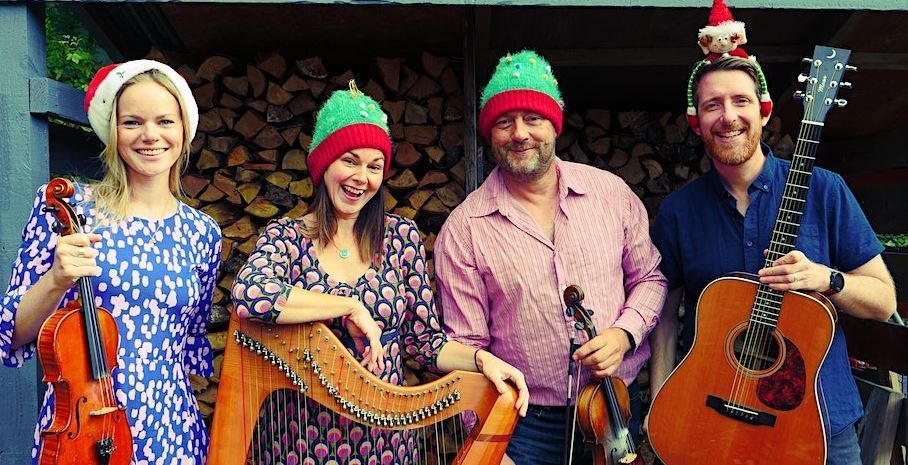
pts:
[353, 192]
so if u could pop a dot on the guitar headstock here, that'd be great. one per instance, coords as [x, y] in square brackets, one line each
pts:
[821, 86]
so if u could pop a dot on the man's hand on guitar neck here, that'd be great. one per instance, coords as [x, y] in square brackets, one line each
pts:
[795, 272]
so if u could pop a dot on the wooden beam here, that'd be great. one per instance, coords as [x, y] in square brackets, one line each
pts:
[472, 155]
[56, 99]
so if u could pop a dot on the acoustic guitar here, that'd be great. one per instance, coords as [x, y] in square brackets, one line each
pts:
[747, 392]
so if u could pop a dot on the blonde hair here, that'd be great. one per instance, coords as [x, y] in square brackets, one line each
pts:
[111, 193]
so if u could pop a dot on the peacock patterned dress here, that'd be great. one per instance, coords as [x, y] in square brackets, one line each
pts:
[395, 289]
[157, 280]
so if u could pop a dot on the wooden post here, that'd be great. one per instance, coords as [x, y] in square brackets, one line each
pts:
[23, 166]
[472, 155]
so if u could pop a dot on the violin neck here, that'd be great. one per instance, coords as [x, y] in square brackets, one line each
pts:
[93, 338]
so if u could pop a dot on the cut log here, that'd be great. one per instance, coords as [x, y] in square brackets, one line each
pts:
[280, 179]
[407, 78]
[269, 138]
[277, 114]
[449, 82]
[239, 155]
[396, 131]
[213, 67]
[433, 65]
[642, 150]
[269, 156]
[248, 191]
[420, 134]
[416, 114]
[591, 133]
[436, 154]
[248, 245]
[423, 88]
[239, 85]
[451, 194]
[389, 72]
[405, 180]
[249, 124]
[458, 172]
[632, 172]
[278, 196]
[419, 197]
[272, 63]
[406, 155]
[229, 101]
[259, 167]
[244, 174]
[312, 67]
[240, 230]
[295, 83]
[435, 207]
[302, 103]
[305, 140]
[564, 141]
[406, 212]
[435, 108]
[601, 146]
[222, 212]
[291, 134]
[222, 144]
[618, 159]
[395, 109]
[262, 208]
[575, 120]
[211, 194]
[653, 168]
[302, 188]
[205, 96]
[190, 75]
[316, 87]
[223, 182]
[578, 155]
[434, 178]
[193, 185]
[208, 159]
[277, 95]
[257, 80]
[452, 135]
[298, 211]
[390, 200]
[374, 89]
[228, 116]
[342, 80]
[258, 105]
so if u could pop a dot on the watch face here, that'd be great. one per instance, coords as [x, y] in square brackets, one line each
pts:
[836, 281]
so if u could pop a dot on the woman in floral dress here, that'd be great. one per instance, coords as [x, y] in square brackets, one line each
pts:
[152, 259]
[348, 262]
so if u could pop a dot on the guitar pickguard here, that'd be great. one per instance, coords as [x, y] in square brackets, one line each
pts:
[785, 389]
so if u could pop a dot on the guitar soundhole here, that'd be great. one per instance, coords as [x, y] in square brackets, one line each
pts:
[757, 352]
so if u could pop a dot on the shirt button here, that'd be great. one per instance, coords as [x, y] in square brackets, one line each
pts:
[750, 243]
[765, 186]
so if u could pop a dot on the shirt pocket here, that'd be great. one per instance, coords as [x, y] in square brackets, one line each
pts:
[809, 242]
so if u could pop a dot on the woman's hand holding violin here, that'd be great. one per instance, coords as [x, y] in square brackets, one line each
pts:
[74, 257]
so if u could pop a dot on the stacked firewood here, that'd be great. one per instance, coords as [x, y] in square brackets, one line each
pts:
[248, 161]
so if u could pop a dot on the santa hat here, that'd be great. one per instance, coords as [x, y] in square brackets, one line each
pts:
[721, 23]
[523, 81]
[104, 86]
[349, 120]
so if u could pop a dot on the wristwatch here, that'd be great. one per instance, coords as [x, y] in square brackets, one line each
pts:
[836, 282]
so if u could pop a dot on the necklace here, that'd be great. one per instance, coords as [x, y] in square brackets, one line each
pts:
[153, 236]
[342, 253]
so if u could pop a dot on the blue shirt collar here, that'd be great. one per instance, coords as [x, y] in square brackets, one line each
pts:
[762, 182]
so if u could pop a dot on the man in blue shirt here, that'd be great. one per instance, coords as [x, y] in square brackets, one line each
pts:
[722, 221]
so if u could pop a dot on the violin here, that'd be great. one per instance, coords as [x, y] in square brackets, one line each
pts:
[603, 408]
[77, 348]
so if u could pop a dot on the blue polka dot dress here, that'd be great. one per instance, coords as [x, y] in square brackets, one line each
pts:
[157, 280]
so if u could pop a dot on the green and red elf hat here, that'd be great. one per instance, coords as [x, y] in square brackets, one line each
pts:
[721, 40]
[523, 81]
[349, 120]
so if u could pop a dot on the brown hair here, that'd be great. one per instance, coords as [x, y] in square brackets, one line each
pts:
[726, 64]
[369, 228]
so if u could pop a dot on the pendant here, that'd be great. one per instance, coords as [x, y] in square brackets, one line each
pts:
[344, 253]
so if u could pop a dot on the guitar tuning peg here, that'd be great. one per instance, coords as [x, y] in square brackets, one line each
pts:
[807, 60]
[840, 102]
[851, 68]
[798, 95]
[802, 77]
[845, 85]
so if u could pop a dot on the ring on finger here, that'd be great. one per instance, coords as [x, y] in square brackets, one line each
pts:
[794, 276]
[80, 253]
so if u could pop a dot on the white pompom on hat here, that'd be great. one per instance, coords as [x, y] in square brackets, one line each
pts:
[104, 86]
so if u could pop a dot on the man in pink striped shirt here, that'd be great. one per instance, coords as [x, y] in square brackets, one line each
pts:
[534, 227]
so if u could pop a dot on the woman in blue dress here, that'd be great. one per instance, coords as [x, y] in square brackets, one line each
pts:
[153, 261]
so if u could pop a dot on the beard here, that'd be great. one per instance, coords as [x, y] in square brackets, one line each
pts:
[527, 167]
[732, 154]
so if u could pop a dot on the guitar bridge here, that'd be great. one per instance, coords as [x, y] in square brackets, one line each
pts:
[739, 412]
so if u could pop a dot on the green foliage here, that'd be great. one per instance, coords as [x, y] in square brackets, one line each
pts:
[70, 50]
[894, 240]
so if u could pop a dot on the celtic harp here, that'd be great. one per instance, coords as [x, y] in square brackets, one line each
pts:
[260, 359]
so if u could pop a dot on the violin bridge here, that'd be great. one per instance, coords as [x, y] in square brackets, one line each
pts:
[102, 411]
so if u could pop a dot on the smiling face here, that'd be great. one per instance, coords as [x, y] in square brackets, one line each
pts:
[353, 179]
[149, 131]
[729, 112]
[523, 144]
